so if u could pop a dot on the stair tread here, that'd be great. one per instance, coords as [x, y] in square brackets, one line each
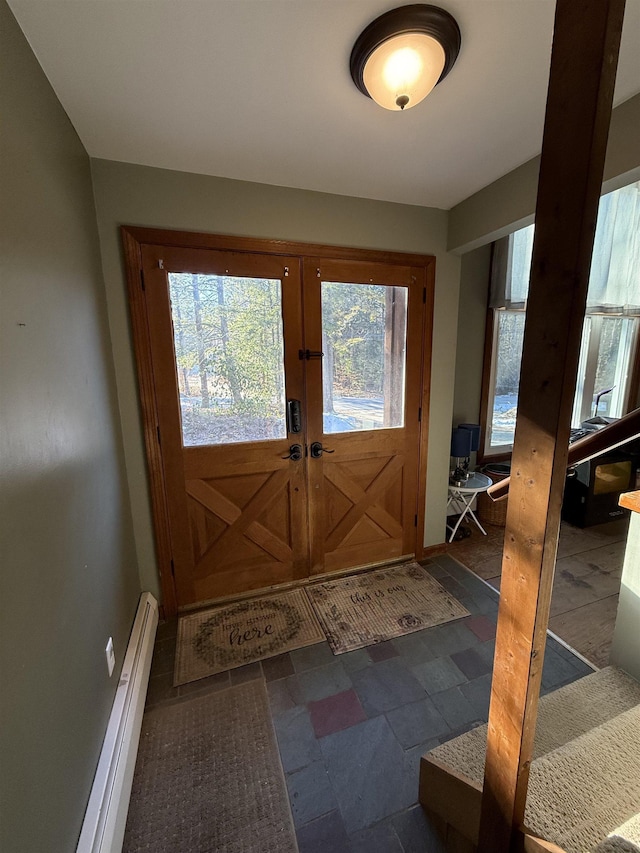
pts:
[587, 787]
[624, 838]
[563, 715]
[575, 796]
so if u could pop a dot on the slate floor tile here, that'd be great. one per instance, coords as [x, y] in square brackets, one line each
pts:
[280, 666]
[382, 651]
[467, 600]
[416, 833]
[160, 689]
[353, 661]
[417, 722]
[483, 603]
[246, 673]
[219, 681]
[487, 652]
[296, 739]
[311, 657]
[472, 664]
[556, 670]
[324, 681]
[483, 628]
[412, 759]
[561, 649]
[435, 570]
[164, 653]
[478, 692]
[365, 765]
[310, 793]
[380, 838]
[453, 567]
[385, 686]
[327, 834]
[473, 584]
[447, 639]
[453, 586]
[336, 713]
[412, 648]
[454, 707]
[284, 694]
[581, 667]
[456, 569]
[438, 674]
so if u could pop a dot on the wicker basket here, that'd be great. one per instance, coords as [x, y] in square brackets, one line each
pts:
[494, 512]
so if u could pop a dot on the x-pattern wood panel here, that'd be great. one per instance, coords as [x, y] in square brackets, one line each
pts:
[242, 522]
[363, 501]
[337, 474]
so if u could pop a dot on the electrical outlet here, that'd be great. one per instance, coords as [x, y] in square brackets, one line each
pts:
[111, 657]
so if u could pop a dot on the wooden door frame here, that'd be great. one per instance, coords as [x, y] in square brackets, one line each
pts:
[133, 238]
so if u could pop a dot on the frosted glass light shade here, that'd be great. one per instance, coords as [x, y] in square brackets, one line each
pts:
[399, 57]
[403, 70]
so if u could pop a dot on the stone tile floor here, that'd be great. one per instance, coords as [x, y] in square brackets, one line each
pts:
[351, 728]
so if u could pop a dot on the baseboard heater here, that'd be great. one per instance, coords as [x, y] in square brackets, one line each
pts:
[104, 820]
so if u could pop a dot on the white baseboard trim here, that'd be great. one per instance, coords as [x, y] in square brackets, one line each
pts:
[105, 818]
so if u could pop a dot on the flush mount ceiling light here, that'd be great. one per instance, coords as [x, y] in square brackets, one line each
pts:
[403, 54]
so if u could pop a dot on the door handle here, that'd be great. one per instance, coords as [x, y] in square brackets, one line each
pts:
[295, 453]
[294, 415]
[317, 450]
[309, 354]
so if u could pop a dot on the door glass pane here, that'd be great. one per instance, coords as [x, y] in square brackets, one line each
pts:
[364, 341]
[229, 358]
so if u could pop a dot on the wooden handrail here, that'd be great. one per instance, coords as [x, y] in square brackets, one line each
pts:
[630, 500]
[597, 442]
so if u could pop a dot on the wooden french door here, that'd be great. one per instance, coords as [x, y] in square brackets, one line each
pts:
[222, 369]
[363, 407]
[287, 392]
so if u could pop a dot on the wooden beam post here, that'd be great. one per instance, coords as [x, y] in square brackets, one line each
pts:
[583, 68]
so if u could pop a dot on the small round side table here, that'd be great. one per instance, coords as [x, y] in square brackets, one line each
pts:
[465, 494]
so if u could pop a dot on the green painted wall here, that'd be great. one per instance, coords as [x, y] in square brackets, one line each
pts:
[69, 577]
[138, 195]
[472, 312]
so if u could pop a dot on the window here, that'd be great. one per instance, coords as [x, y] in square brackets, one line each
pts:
[611, 332]
[364, 340]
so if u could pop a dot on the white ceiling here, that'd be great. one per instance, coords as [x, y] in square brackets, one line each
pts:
[260, 90]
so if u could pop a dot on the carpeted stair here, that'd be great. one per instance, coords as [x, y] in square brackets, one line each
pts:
[585, 778]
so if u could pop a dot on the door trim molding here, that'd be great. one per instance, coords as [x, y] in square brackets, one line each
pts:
[133, 238]
[257, 245]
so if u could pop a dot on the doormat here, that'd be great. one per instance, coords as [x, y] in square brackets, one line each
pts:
[208, 777]
[369, 608]
[237, 634]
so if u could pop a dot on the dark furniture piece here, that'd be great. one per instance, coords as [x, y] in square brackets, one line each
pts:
[593, 488]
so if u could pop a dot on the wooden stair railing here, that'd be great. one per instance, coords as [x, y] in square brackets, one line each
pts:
[630, 500]
[599, 441]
